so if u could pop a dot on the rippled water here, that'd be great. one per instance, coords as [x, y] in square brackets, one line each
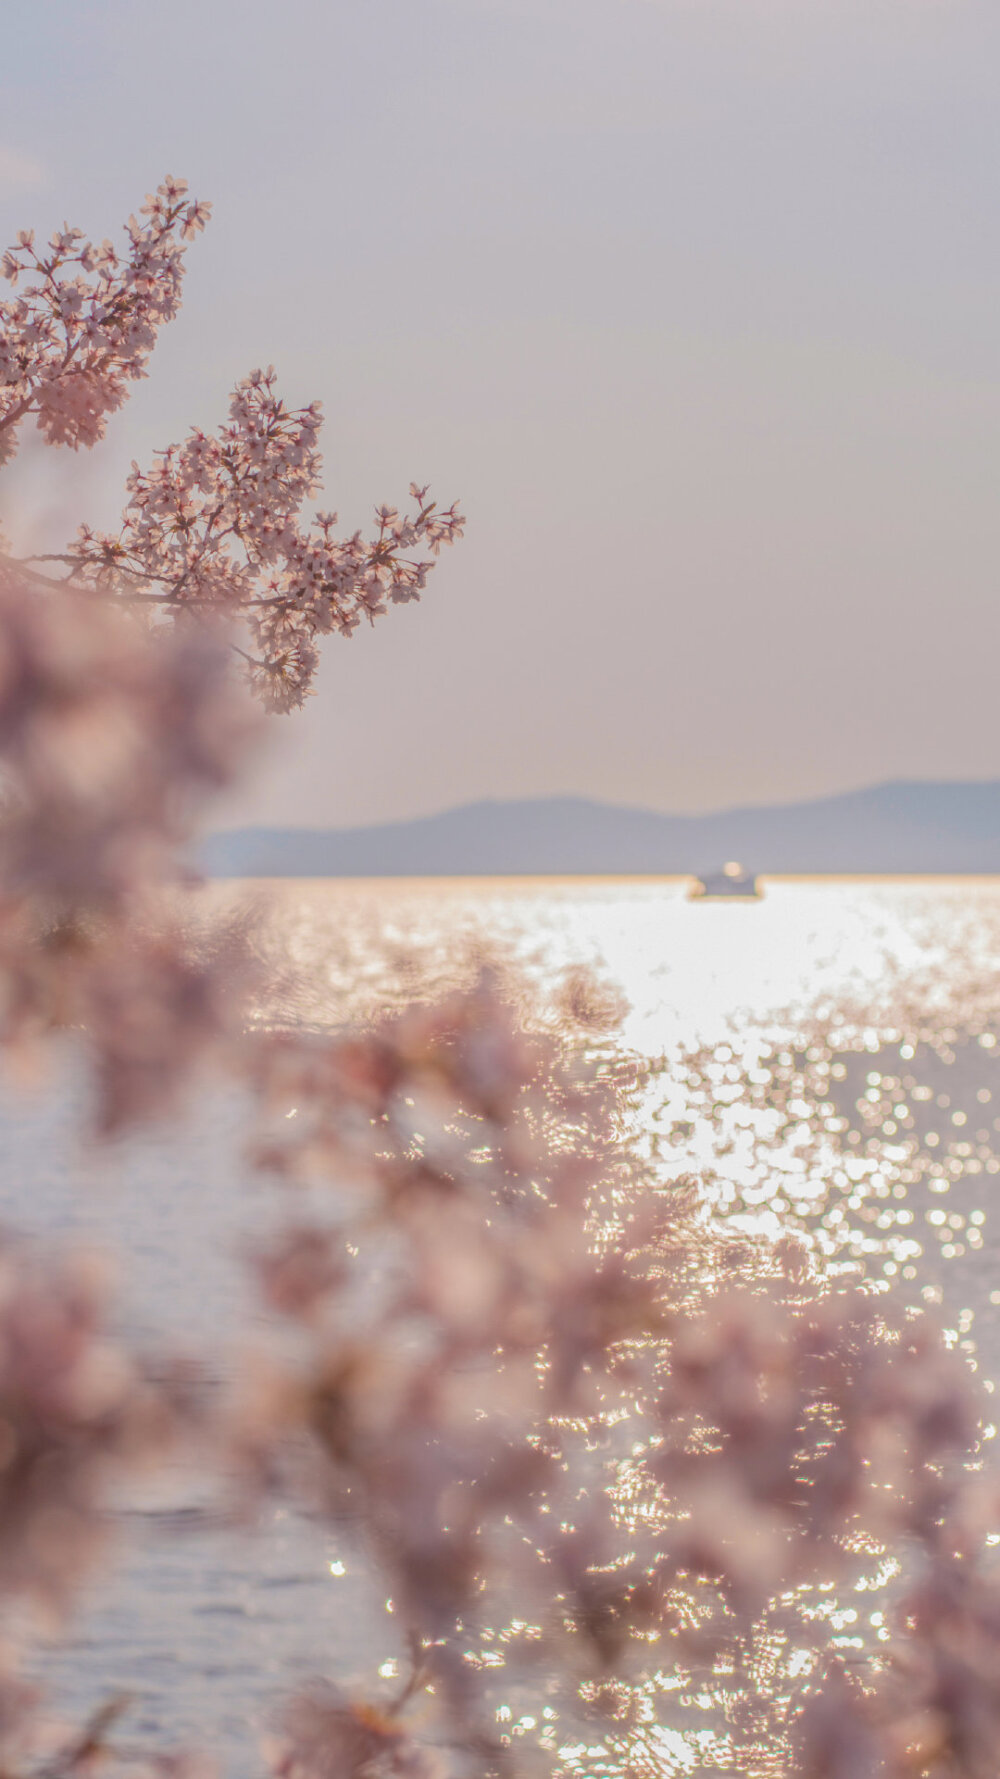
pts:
[823, 1061]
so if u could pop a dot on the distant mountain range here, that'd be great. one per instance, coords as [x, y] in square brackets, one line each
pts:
[902, 827]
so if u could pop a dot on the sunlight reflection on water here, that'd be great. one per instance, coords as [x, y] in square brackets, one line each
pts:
[824, 1061]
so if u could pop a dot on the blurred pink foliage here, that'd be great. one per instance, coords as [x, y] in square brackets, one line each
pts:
[569, 1452]
[111, 739]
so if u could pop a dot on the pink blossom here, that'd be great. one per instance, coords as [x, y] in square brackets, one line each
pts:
[70, 344]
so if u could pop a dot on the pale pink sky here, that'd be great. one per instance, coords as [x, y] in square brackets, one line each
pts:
[695, 305]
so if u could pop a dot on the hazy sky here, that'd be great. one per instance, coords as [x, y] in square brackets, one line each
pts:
[694, 303]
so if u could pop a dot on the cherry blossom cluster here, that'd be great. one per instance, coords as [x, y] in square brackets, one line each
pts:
[85, 318]
[217, 525]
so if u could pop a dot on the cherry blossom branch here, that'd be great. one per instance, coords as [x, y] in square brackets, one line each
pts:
[71, 343]
[217, 523]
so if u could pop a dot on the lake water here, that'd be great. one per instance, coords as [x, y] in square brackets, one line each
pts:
[824, 1061]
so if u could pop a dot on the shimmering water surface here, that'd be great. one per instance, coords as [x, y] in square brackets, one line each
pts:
[824, 1061]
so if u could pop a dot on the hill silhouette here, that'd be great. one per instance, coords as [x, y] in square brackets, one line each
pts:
[899, 827]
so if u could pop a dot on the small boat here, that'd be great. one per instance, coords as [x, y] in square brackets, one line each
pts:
[732, 881]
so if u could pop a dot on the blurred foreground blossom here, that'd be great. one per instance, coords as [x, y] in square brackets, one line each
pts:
[327, 1736]
[75, 1412]
[111, 739]
[529, 1392]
